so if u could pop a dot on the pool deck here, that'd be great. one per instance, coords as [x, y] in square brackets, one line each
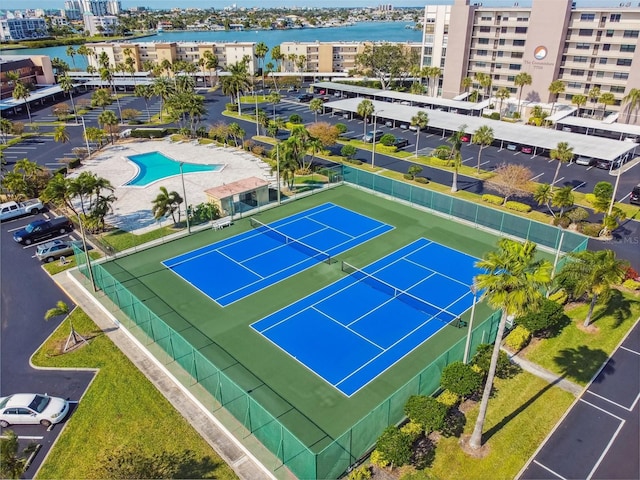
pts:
[132, 209]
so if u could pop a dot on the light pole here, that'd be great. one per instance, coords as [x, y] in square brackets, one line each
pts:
[621, 170]
[184, 194]
[86, 253]
[255, 96]
[467, 344]
[373, 150]
[278, 171]
[84, 133]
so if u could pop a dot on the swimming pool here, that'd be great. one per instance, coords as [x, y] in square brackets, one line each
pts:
[154, 166]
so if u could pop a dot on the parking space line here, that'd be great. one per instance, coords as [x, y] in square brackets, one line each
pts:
[578, 186]
[549, 470]
[628, 349]
[604, 453]
[602, 410]
[537, 176]
[467, 159]
[561, 178]
[628, 409]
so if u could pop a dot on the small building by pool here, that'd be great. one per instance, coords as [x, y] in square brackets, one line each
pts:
[252, 191]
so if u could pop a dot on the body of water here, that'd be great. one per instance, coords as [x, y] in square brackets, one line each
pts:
[360, 32]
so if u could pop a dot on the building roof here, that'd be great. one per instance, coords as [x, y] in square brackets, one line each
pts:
[7, 103]
[584, 145]
[622, 129]
[236, 188]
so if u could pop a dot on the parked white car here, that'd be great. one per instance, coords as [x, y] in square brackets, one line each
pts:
[10, 210]
[32, 408]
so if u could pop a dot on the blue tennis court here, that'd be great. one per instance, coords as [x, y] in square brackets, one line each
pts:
[233, 268]
[353, 330]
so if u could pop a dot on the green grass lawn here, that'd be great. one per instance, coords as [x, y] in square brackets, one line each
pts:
[120, 240]
[55, 267]
[521, 413]
[579, 354]
[121, 410]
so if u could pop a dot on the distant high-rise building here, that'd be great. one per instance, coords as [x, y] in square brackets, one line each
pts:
[95, 7]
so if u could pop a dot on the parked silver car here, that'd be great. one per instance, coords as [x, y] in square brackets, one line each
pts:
[50, 251]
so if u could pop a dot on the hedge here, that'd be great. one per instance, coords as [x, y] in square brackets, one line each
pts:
[518, 338]
[493, 199]
[518, 206]
[421, 180]
[143, 133]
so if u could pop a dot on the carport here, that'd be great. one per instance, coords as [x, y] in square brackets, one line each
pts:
[588, 126]
[541, 139]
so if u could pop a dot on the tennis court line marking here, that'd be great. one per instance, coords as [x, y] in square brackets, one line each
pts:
[628, 409]
[328, 227]
[240, 264]
[549, 470]
[439, 273]
[347, 328]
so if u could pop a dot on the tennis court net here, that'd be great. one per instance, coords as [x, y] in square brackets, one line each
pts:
[402, 295]
[292, 242]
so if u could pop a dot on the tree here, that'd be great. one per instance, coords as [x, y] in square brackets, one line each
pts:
[631, 101]
[563, 198]
[413, 171]
[21, 92]
[101, 98]
[162, 88]
[60, 110]
[66, 84]
[466, 84]
[60, 134]
[365, 109]
[520, 81]
[579, 101]
[455, 155]
[108, 120]
[483, 136]
[316, 106]
[348, 151]
[428, 412]
[395, 446]
[556, 88]
[12, 462]
[146, 92]
[592, 273]
[549, 317]
[61, 309]
[236, 131]
[420, 120]
[502, 94]
[606, 99]
[460, 379]
[71, 52]
[274, 98]
[325, 132]
[563, 153]
[382, 61]
[543, 195]
[594, 95]
[482, 360]
[237, 82]
[513, 283]
[510, 179]
[166, 202]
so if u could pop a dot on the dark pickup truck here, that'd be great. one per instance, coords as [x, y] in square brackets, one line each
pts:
[41, 229]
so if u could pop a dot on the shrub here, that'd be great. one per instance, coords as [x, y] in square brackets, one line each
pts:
[631, 284]
[355, 161]
[448, 398]
[578, 215]
[421, 180]
[426, 411]
[535, 121]
[591, 229]
[630, 273]
[231, 107]
[394, 446]
[348, 151]
[460, 379]
[363, 472]
[518, 206]
[387, 139]
[440, 162]
[562, 221]
[406, 176]
[342, 128]
[258, 150]
[516, 115]
[603, 190]
[414, 170]
[148, 133]
[74, 163]
[482, 359]
[377, 459]
[295, 119]
[560, 296]
[494, 116]
[413, 430]
[492, 199]
[549, 316]
[518, 338]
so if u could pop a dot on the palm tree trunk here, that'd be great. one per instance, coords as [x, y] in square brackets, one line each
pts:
[417, 141]
[587, 321]
[73, 106]
[555, 177]
[475, 442]
[454, 184]
[479, 155]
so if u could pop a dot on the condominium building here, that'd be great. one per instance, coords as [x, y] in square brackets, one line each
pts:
[16, 29]
[100, 24]
[32, 70]
[326, 57]
[584, 47]
[157, 52]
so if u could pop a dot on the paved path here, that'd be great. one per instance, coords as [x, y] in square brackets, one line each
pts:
[545, 374]
[242, 462]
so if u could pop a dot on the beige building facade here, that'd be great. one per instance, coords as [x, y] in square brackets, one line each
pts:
[550, 40]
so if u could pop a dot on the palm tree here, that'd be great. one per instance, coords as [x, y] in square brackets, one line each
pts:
[21, 92]
[420, 120]
[467, 82]
[434, 75]
[563, 198]
[277, 56]
[71, 52]
[562, 153]
[62, 308]
[520, 81]
[606, 99]
[316, 106]
[502, 94]
[483, 136]
[555, 88]
[166, 202]
[106, 75]
[274, 98]
[84, 51]
[237, 82]
[108, 121]
[592, 273]
[261, 52]
[365, 109]
[60, 134]
[632, 102]
[103, 206]
[101, 98]
[484, 80]
[146, 92]
[237, 132]
[455, 155]
[6, 127]
[544, 195]
[513, 282]
[162, 88]
[66, 84]
[594, 95]
[579, 101]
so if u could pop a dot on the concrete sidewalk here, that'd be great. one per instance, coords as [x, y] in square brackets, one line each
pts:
[239, 459]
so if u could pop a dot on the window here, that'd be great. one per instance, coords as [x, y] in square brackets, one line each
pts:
[428, 50]
[583, 46]
[609, 33]
[482, 53]
[603, 61]
[615, 17]
[518, 43]
[500, 53]
[627, 48]
[501, 41]
[514, 66]
[574, 85]
[523, 19]
[481, 64]
[620, 76]
[511, 78]
[631, 33]
[485, 29]
[498, 66]
[483, 41]
[585, 32]
[625, 62]
[587, 17]
[599, 74]
[580, 59]
[606, 47]
[577, 72]
[521, 29]
[617, 89]
[486, 18]
[503, 29]
[516, 54]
